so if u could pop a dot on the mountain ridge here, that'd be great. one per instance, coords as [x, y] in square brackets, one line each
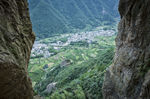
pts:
[50, 17]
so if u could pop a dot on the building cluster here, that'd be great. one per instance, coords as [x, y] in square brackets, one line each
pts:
[43, 49]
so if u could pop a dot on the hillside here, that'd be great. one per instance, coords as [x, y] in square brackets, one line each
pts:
[51, 17]
[75, 65]
[71, 66]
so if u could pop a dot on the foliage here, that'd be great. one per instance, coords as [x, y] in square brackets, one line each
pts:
[52, 17]
[83, 78]
[80, 43]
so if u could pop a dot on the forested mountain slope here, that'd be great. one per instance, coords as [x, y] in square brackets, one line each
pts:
[51, 17]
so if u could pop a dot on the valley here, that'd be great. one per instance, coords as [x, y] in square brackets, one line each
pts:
[54, 17]
[75, 43]
[78, 52]
[68, 61]
[42, 47]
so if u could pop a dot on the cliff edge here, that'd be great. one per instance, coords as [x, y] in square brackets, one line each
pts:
[16, 40]
[129, 75]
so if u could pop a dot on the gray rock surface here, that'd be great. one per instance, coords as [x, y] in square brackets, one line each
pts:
[16, 39]
[129, 75]
[50, 87]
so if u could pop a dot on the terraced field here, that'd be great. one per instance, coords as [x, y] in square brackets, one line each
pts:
[78, 66]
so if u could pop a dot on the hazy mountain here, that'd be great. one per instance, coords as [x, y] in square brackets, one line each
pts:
[51, 17]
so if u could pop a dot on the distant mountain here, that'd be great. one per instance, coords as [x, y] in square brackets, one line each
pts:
[51, 17]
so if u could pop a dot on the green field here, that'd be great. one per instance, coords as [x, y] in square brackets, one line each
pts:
[82, 77]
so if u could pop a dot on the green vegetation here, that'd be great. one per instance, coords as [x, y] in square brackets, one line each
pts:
[70, 66]
[82, 78]
[52, 17]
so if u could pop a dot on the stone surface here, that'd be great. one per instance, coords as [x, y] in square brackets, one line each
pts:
[16, 39]
[129, 75]
[50, 87]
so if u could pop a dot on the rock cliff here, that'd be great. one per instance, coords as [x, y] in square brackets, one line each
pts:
[16, 39]
[129, 75]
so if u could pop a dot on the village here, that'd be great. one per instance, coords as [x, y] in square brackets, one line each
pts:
[42, 49]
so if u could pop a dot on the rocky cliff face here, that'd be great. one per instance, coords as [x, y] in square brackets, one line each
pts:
[16, 39]
[129, 75]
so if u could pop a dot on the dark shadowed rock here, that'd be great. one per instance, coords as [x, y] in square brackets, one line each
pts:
[129, 75]
[16, 39]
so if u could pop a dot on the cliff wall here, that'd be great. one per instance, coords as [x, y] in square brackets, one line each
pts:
[16, 39]
[129, 75]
